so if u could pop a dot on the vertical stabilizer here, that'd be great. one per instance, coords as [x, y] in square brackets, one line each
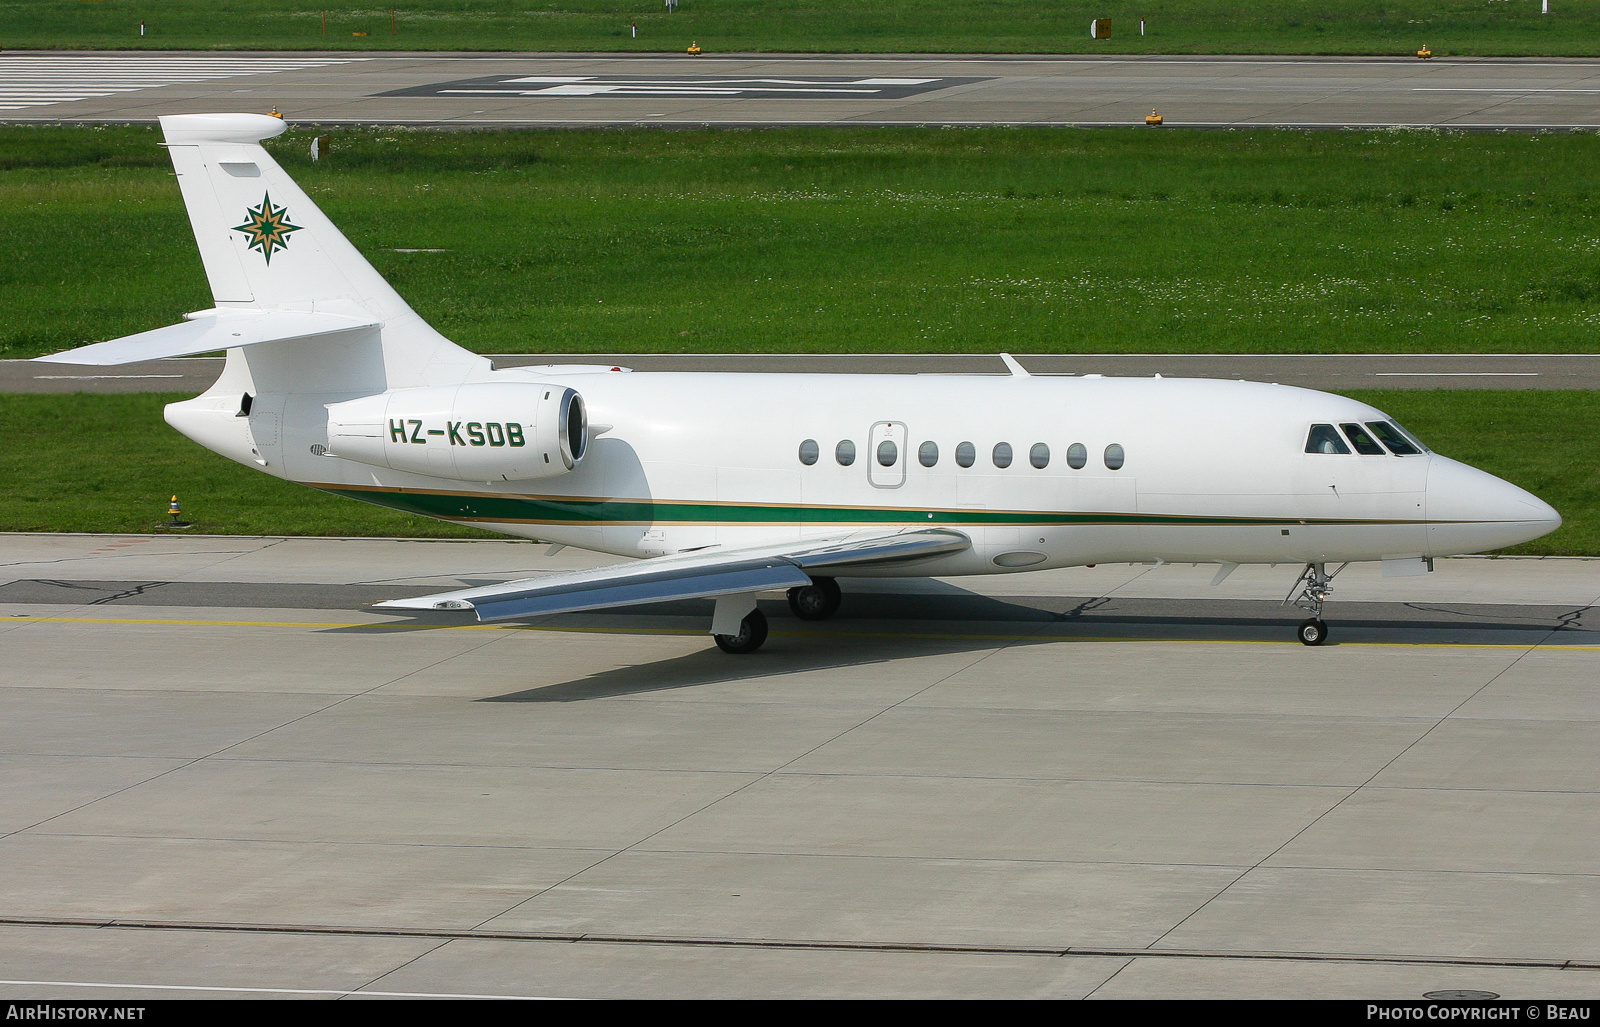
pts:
[266, 246]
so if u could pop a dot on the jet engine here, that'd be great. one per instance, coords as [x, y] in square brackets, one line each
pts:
[485, 431]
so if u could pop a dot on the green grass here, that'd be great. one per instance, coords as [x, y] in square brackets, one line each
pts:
[113, 463]
[880, 26]
[859, 240]
[109, 463]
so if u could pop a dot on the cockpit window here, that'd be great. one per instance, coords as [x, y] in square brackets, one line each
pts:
[1410, 437]
[1361, 440]
[1324, 438]
[1398, 444]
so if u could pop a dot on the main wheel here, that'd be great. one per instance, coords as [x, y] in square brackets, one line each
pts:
[752, 634]
[816, 601]
[1313, 632]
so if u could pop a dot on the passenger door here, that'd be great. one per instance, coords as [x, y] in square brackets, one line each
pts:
[886, 455]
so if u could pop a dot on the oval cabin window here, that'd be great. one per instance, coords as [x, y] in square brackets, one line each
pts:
[845, 453]
[1002, 454]
[1077, 456]
[1114, 457]
[1039, 455]
[809, 451]
[966, 454]
[928, 454]
[888, 453]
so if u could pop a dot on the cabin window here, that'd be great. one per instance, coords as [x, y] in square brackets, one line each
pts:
[1324, 438]
[888, 453]
[1398, 444]
[928, 454]
[1114, 457]
[845, 453]
[1039, 455]
[809, 451]
[1077, 456]
[1002, 454]
[966, 454]
[1361, 440]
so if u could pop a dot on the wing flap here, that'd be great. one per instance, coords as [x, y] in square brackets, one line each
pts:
[689, 576]
[208, 332]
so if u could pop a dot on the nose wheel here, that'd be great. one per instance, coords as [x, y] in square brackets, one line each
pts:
[752, 635]
[816, 601]
[1313, 632]
[1313, 585]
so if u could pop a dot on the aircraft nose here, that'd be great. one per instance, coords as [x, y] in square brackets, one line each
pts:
[1470, 511]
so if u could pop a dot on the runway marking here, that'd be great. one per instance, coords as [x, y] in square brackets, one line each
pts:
[97, 377]
[275, 991]
[921, 636]
[38, 81]
[1498, 89]
[1455, 374]
[679, 86]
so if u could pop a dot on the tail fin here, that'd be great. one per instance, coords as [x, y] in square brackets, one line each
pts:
[266, 247]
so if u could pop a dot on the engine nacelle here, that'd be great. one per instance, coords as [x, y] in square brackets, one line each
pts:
[487, 431]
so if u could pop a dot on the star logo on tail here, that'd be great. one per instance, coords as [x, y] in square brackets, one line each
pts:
[268, 227]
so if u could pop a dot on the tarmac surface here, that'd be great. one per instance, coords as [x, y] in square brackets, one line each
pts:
[225, 773]
[485, 90]
[1313, 371]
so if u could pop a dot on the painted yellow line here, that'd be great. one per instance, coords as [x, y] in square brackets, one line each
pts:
[918, 635]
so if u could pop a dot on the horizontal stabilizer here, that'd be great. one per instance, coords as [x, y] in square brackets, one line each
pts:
[210, 332]
[689, 576]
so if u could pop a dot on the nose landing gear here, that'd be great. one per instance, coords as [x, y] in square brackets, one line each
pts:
[1314, 584]
[1313, 631]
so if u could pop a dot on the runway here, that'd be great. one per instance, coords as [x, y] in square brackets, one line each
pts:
[1329, 371]
[578, 90]
[226, 773]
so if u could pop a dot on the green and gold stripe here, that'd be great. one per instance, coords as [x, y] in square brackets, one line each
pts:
[500, 508]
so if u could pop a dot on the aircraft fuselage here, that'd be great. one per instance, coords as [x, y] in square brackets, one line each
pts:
[1208, 470]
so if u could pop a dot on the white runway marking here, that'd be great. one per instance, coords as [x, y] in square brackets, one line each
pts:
[1455, 374]
[28, 80]
[1498, 89]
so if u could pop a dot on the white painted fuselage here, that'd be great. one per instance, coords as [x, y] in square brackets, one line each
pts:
[1211, 470]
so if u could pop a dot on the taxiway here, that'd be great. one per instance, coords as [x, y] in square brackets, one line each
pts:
[225, 773]
[575, 90]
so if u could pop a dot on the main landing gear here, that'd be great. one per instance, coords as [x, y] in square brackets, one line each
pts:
[816, 601]
[752, 635]
[1314, 584]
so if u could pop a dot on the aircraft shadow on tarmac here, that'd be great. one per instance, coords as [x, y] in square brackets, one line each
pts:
[870, 628]
[877, 628]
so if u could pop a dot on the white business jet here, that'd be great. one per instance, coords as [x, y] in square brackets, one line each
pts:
[729, 485]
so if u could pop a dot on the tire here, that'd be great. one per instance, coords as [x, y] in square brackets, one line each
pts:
[752, 635]
[816, 601]
[1312, 632]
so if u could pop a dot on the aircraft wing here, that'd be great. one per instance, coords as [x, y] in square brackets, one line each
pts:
[690, 576]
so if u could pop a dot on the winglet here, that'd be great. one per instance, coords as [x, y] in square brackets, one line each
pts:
[1016, 369]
